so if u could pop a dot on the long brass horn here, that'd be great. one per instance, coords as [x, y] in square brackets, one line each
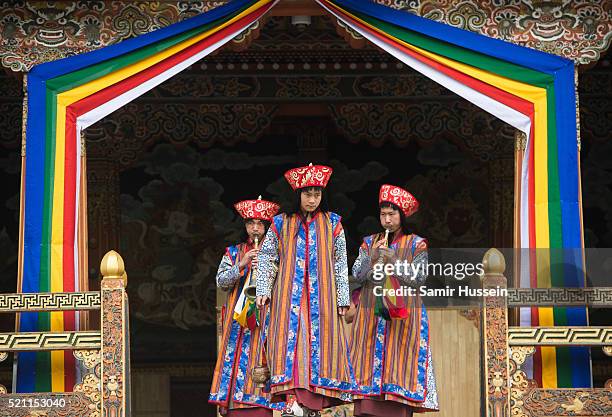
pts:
[250, 292]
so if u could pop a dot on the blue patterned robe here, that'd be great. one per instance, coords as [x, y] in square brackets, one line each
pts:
[240, 350]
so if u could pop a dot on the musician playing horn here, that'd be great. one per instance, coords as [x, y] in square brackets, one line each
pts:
[389, 343]
[232, 387]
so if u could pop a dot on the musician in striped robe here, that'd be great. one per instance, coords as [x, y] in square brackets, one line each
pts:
[303, 273]
[241, 345]
[389, 342]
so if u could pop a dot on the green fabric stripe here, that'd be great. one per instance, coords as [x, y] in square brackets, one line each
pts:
[475, 59]
[505, 69]
[43, 359]
[508, 70]
[43, 372]
[511, 71]
[563, 355]
[54, 87]
[528, 76]
[85, 75]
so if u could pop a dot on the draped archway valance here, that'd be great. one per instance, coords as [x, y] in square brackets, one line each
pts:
[530, 90]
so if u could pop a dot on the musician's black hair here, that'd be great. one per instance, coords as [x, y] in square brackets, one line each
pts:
[297, 200]
[403, 219]
[244, 236]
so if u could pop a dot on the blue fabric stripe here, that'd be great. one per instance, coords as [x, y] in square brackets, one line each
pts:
[34, 190]
[497, 48]
[570, 213]
[70, 64]
[562, 70]
[35, 154]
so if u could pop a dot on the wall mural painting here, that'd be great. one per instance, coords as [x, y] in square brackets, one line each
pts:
[177, 218]
[10, 167]
[174, 229]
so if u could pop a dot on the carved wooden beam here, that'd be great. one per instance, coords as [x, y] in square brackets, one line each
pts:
[541, 297]
[36, 32]
[527, 400]
[12, 342]
[560, 336]
[14, 303]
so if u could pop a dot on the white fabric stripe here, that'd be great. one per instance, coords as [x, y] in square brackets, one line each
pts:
[110, 106]
[98, 113]
[507, 114]
[497, 109]
[525, 277]
[77, 287]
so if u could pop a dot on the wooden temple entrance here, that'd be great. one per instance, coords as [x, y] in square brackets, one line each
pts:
[289, 92]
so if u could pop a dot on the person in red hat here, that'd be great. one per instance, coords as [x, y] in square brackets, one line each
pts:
[389, 343]
[303, 274]
[241, 346]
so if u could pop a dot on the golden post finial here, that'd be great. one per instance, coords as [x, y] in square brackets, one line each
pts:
[494, 262]
[112, 266]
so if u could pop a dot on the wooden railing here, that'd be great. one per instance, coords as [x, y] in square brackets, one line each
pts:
[103, 355]
[508, 391]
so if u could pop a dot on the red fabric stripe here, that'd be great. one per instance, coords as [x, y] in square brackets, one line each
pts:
[510, 100]
[504, 97]
[70, 184]
[102, 96]
[83, 106]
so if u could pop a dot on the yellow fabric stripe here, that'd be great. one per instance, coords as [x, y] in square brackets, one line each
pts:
[56, 261]
[63, 100]
[537, 96]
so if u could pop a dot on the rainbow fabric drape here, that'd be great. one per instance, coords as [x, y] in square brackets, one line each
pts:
[65, 97]
[534, 92]
[531, 90]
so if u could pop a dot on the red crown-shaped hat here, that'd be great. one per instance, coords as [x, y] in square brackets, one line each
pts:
[400, 197]
[257, 209]
[308, 176]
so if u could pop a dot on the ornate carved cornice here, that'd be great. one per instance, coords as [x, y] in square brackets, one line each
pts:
[230, 108]
[580, 30]
[527, 400]
[132, 129]
[401, 122]
[34, 32]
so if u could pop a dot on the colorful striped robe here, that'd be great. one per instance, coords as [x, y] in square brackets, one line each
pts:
[240, 350]
[302, 267]
[392, 359]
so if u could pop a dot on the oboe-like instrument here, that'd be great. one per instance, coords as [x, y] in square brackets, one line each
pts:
[381, 258]
[250, 291]
[260, 373]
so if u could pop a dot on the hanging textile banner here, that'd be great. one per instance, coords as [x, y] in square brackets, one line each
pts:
[530, 90]
[539, 87]
[65, 97]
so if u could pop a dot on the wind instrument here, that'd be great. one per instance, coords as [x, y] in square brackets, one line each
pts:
[250, 291]
[260, 373]
[381, 258]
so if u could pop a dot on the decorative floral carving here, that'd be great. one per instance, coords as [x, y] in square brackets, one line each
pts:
[35, 32]
[90, 385]
[467, 15]
[577, 29]
[401, 122]
[132, 129]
